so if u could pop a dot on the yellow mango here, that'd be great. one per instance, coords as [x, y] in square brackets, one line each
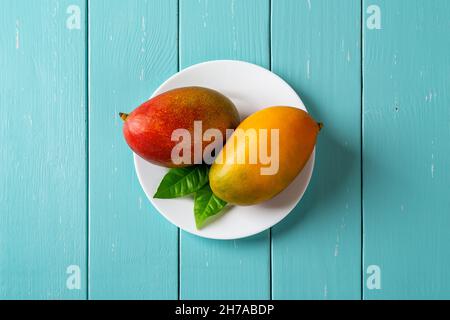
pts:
[281, 152]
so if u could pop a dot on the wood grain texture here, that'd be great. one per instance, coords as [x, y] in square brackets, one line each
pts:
[43, 150]
[209, 30]
[407, 149]
[133, 250]
[316, 250]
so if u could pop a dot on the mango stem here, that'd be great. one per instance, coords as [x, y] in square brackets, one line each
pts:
[123, 116]
[320, 124]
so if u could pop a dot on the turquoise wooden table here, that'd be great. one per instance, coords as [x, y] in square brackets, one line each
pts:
[374, 223]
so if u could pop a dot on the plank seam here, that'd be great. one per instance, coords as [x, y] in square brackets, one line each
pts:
[362, 146]
[87, 60]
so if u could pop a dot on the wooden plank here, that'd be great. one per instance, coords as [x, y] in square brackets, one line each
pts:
[316, 250]
[43, 150]
[133, 250]
[407, 149]
[224, 29]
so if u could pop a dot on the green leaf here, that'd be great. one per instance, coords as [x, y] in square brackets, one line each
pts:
[206, 206]
[181, 182]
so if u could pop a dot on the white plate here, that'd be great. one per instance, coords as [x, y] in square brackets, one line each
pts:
[251, 88]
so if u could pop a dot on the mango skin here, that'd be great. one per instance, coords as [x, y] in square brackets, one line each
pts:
[148, 129]
[243, 184]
